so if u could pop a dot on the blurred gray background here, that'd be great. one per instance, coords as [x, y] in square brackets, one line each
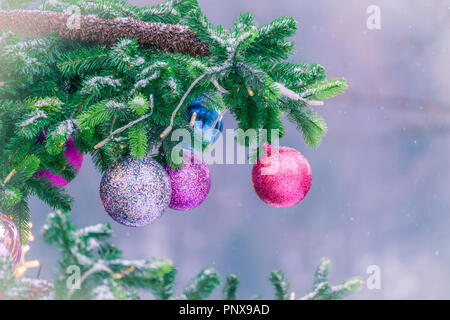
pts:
[381, 184]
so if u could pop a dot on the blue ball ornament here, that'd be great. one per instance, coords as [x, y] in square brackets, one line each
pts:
[204, 119]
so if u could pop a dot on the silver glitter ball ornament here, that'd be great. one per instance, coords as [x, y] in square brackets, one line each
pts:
[135, 192]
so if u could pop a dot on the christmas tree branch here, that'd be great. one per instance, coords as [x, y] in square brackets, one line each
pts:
[288, 93]
[99, 267]
[92, 29]
[129, 125]
[106, 275]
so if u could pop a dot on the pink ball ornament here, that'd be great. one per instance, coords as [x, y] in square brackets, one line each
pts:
[74, 157]
[190, 184]
[10, 245]
[281, 180]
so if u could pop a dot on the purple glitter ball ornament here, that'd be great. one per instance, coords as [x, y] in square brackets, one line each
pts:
[135, 192]
[9, 240]
[190, 183]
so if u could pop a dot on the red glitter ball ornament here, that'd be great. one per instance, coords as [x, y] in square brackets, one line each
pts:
[282, 176]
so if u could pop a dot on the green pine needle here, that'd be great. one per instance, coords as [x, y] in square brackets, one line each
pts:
[230, 287]
[280, 284]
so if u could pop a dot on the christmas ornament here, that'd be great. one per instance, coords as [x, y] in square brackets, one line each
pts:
[135, 192]
[74, 158]
[202, 119]
[281, 180]
[10, 245]
[190, 183]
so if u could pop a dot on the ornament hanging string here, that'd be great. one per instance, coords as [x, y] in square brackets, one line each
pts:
[219, 117]
[170, 127]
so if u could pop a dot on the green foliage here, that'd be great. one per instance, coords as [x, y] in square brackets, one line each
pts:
[138, 141]
[326, 90]
[323, 290]
[280, 285]
[84, 61]
[230, 287]
[159, 278]
[201, 287]
[312, 126]
[12, 197]
[55, 197]
[57, 138]
[94, 116]
[105, 275]
[14, 4]
[139, 105]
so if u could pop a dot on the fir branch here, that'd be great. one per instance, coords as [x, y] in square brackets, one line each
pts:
[202, 285]
[156, 275]
[325, 90]
[295, 96]
[106, 275]
[230, 288]
[84, 61]
[21, 217]
[137, 136]
[99, 267]
[312, 126]
[57, 138]
[323, 290]
[28, 166]
[129, 125]
[171, 38]
[280, 284]
[55, 197]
